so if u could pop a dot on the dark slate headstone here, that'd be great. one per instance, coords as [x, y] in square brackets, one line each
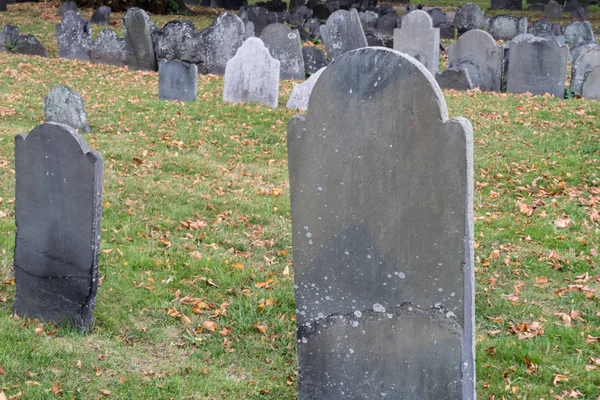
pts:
[591, 85]
[343, 33]
[456, 79]
[536, 7]
[438, 17]
[3, 6]
[101, 16]
[322, 12]
[447, 31]
[314, 59]
[506, 4]
[572, 5]
[177, 80]
[259, 16]
[382, 229]
[29, 45]
[578, 33]
[284, 45]
[368, 19]
[65, 106]
[544, 28]
[468, 16]
[314, 27]
[58, 209]
[505, 27]
[228, 4]
[387, 23]
[66, 6]
[580, 13]
[300, 15]
[138, 30]
[109, 49]
[177, 40]
[586, 58]
[8, 37]
[374, 37]
[74, 36]
[219, 42]
[552, 10]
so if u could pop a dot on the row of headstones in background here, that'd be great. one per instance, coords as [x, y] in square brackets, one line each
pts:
[100, 17]
[12, 41]
[554, 10]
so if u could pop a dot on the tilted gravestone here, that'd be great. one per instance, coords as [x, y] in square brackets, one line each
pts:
[101, 16]
[544, 28]
[284, 45]
[28, 44]
[552, 10]
[382, 229]
[65, 106]
[138, 30]
[219, 42]
[301, 93]
[342, 33]
[252, 75]
[387, 23]
[177, 80]
[591, 85]
[587, 58]
[419, 39]
[467, 17]
[476, 50]
[506, 27]
[578, 33]
[314, 59]
[572, 5]
[74, 36]
[457, 79]
[58, 209]
[580, 13]
[537, 66]
[109, 49]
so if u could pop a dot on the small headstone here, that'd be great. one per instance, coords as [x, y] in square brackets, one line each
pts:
[58, 211]
[572, 5]
[578, 33]
[586, 59]
[506, 27]
[8, 37]
[381, 193]
[101, 16]
[537, 66]
[314, 59]
[259, 16]
[300, 15]
[220, 41]
[177, 80]
[552, 10]
[438, 17]
[66, 6]
[301, 93]
[387, 23]
[468, 16]
[544, 29]
[591, 85]
[252, 75]
[284, 45]
[29, 45]
[447, 31]
[138, 30]
[457, 79]
[368, 19]
[65, 106]
[419, 39]
[581, 13]
[477, 52]
[343, 33]
[177, 40]
[74, 36]
[506, 4]
[374, 37]
[109, 49]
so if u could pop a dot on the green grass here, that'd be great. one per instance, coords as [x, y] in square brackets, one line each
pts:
[224, 167]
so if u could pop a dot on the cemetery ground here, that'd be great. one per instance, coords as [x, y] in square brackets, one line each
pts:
[196, 296]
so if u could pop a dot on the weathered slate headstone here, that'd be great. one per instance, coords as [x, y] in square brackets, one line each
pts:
[101, 16]
[8, 37]
[419, 39]
[457, 79]
[177, 40]
[552, 10]
[578, 33]
[374, 37]
[368, 19]
[580, 13]
[65, 106]
[591, 85]
[506, 27]
[587, 58]
[537, 66]
[138, 30]
[382, 229]
[177, 80]
[314, 28]
[342, 33]
[572, 5]
[300, 15]
[252, 75]
[467, 17]
[74, 36]
[544, 28]
[109, 49]
[220, 41]
[314, 59]
[58, 210]
[259, 16]
[66, 6]
[387, 23]
[284, 45]
[476, 50]
[301, 94]
[29, 45]
[438, 17]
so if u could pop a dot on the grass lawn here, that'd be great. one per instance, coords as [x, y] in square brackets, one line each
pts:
[196, 297]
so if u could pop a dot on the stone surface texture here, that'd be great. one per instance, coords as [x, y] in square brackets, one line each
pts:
[544, 28]
[220, 41]
[578, 33]
[505, 27]
[468, 16]
[177, 80]
[65, 106]
[587, 59]
[138, 30]
[342, 33]
[101, 16]
[314, 59]
[301, 94]
[419, 39]
[457, 79]
[74, 36]
[553, 10]
[109, 49]
[591, 85]
[284, 45]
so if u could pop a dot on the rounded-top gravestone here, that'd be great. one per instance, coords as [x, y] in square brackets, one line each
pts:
[65, 106]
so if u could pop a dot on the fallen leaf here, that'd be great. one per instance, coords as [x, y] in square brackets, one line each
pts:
[559, 378]
[210, 325]
[104, 392]
[562, 222]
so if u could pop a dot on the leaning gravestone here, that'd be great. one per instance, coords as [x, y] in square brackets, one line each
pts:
[587, 58]
[467, 17]
[138, 30]
[477, 52]
[252, 75]
[28, 44]
[342, 33]
[220, 41]
[505, 27]
[109, 49]
[457, 79]
[382, 229]
[74, 36]
[101, 16]
[578, 33]
[284, 45]
[301, 94]
[552, 10]
[572, 5]
[65, 106]
[537, 66]
[58, 210]
[177, 80]
[591, 85]
[419, 39]
[368, 19]
[314, 59]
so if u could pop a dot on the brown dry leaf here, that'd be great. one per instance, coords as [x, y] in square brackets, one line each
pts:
[238, 266]
[225, 331]
[262, 328]
[566, 319]
[286, 271]
[185, 319]
[526, 330]
[104, 392]
[210, 326]
[56, 389]
[592, 339]
[541, 280]
[525, 209]
[196, 255]
[495, 254]
[575, 288]
[79, 364]
[198, 307]
[562, 222]
[559, 378]
[16, 396]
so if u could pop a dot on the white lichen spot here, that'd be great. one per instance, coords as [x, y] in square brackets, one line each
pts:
[351, 351]
[357, 314]
[452, 294]
[320, 188]
[378, 308]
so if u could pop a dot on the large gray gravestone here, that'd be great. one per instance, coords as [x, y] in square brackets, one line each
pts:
[109, 49]
[138, 30]
[342, 33]
[74, 36]
[301, 94]
[537, 66]
[578, 33]
[8, 36]
[468, 16]
[476, 51]
[219, 42]
[65, 106]
[66, 6]
[284, 45]
[591, 85]
[177, 80]
[252, 75]
[419, 39]
[587, 58]
[382, 228]
[57, 212]
[28, 44]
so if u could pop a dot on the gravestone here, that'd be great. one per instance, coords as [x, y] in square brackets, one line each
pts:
[447, 31]
[314, 28]
[544, 28]
[8, 37]
[73, 36]
[177, 40]
[387, 23]
[591, 85]
[252, 75]
[374, 37]
[314, 59]
[382, 229]
[58, 208]
[65, 106]
[66, 6]
[552, 10]
[580, 13]
[301, 94]
[219, 42]
[259, 16]
[537, 66]
[29, 45]
[477, 51]
[109, 49]
[419, 39]
[505, 27]
[467, 17]
[578, 33]
[587, 58]
[300, 15]
[457, 79]
[368, 19]
[342, 33]
[101, 16]
[249, 30]
[572, 5]
[177, 80]
[506, 4]
[284, 45]
[536, 7]
[438, 17]
[138, 30]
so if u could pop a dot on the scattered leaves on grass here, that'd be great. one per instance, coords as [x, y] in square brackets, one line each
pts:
[527, 330]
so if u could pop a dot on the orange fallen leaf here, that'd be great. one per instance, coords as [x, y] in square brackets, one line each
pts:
[104, 392]
[210, 325]
[559, 378]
